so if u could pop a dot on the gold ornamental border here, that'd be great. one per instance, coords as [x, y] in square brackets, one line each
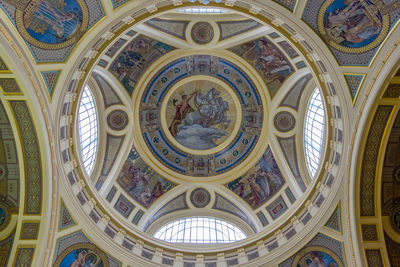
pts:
[304, 251]
[72, 40]
[83, 245]
[353, 50]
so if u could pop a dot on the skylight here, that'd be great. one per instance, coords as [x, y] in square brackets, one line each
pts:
[314, 131]
[87, 122]
[199, 230]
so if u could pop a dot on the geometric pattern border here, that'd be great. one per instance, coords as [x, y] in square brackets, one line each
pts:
[32, 162]
[334, 222]
[354, 82]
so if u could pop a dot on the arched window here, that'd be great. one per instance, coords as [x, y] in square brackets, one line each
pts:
[88, 131]
[203, 10]
[200, 230]
[314, 131]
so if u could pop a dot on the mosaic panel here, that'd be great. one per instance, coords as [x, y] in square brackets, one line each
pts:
[32, 163]
[369, 232]
[118, 3]
[124, 206]
[352, 29]
[66, 219]
[137, 217]
[30, 230]
[201, 119]
[78, 246]
[52, 28]
[5, 249]
[202, 32]
[370, 157]
[268, 60]
[262, 218]
[393, 91]
[259, 184]
[9, 86]
[225, 205]
[228, 29]
[289, 4]
[334, 222]
[374, 258]
[109, 96]
[393, 250]
[175, 28]
[24, 256]
[277, 207]
[142, 183]
[354, 82]
[135, 58]
[50, 79]
[293, 97]
[320, 251]
[3, 66]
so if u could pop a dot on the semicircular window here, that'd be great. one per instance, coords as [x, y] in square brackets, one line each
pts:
[88, 131]
[200, 230]
[314, 131]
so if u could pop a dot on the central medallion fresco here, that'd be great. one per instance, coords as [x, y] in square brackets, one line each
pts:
[201, 115]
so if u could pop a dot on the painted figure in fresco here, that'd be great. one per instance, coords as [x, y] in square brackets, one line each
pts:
[317, 259]
[54, 21]
[352, 22]
[194, 126]
[261, 183]
[271, 62]
[182, 109]
[2, 216]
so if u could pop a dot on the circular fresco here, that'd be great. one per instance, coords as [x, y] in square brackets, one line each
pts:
[82, 254]
[353, 26]
[50, 25]
[202, 32]
[117, 120]
[316, 256]
[284, 121]
[200, 197]
[201, 116]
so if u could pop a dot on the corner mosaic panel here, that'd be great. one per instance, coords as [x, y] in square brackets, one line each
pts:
[353, 30]
[32, 163]
[334, 222]
[66, 219]
[289, 4]
[30, 230]
[50, 79]
[354, 82]
[3, 66]
[374, 258]
[24, 256]
[5, 249]
[320, 250]
[51, 28]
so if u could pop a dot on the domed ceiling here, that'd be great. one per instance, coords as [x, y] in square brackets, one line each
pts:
[121, 121]
[204, 118]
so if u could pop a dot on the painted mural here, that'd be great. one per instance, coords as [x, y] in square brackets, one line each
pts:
[53, 21]
[269, 61]
[82, 255]
[260, 183]
[142, 183]
[316, 258]
[134, 59]
[200, 114]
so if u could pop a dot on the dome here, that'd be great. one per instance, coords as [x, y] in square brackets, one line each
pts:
[196, 133]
